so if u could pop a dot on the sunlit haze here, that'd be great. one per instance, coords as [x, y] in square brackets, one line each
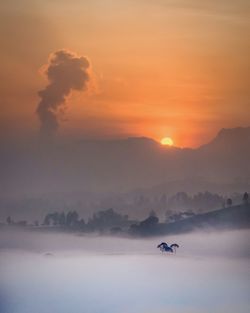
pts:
[157, 67]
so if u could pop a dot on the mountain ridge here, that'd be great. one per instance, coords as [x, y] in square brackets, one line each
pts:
[119, 166]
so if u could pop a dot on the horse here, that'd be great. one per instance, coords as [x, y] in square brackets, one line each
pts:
[164, 247]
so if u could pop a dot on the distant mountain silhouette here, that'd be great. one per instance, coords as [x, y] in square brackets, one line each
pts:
[231, 139]
[122, 165]
[226, 158]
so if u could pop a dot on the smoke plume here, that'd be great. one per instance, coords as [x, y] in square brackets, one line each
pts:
[65, 72]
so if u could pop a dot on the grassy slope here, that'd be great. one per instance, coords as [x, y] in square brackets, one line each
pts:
[235, 217]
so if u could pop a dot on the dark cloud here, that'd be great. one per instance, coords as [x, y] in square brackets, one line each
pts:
[66, 72]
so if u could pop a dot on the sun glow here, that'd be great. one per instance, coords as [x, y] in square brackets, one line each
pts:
[167, 141]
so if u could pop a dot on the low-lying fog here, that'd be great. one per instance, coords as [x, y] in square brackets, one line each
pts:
[59, 273]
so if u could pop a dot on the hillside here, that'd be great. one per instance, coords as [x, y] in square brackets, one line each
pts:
[235, 217]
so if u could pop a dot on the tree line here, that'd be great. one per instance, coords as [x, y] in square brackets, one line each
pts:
[111, 221]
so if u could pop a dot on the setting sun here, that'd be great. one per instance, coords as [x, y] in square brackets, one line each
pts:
[167, 141]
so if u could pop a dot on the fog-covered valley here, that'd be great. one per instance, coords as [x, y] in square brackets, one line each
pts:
[63, 273]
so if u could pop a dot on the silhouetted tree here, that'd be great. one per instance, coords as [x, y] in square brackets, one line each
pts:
[245, 198]
[69, 218]
[74, 218]
[62, 219]
[55, 218]
[46, 220]
[9, 220]
[106, 219]
[134, 228]
[149, 225]
[81, 224]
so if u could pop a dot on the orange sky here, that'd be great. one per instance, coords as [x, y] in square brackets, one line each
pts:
[160, 68]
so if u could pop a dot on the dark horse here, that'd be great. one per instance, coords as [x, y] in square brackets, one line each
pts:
[164, 247]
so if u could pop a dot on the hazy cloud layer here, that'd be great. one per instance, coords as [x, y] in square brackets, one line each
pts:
[65, 72]
[209, 273]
